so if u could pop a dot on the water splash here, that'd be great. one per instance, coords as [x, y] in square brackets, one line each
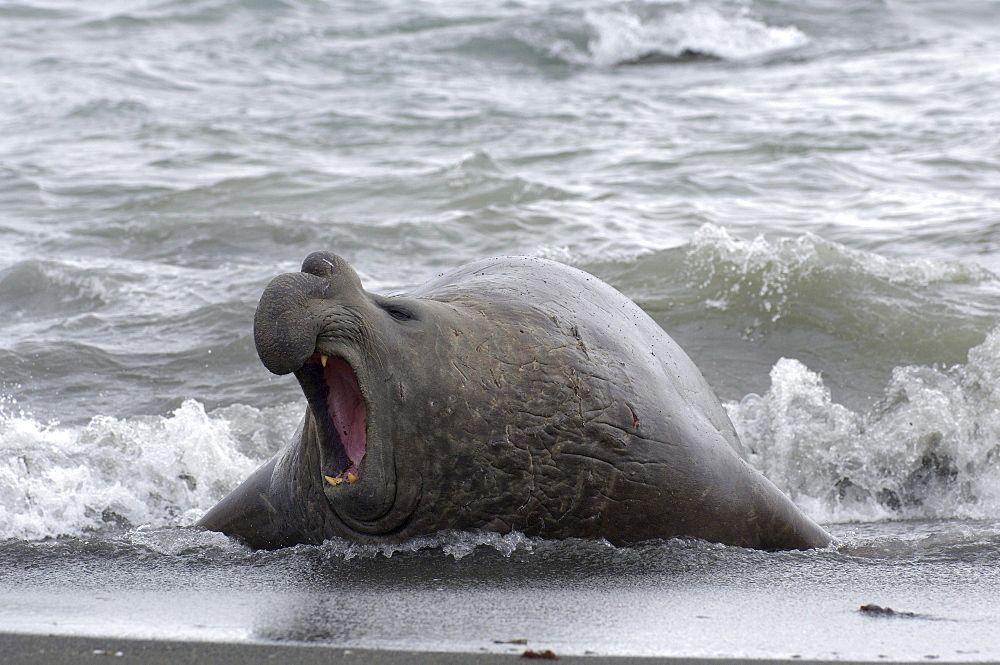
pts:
[928, 449]
[114, 474]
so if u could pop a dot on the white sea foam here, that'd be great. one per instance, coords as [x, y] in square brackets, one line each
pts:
[457, 544]
[621, 36]
[154, 470]
[928, 449]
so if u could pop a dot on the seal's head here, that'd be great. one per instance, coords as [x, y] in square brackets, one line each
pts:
[358, 357]
[322, 326]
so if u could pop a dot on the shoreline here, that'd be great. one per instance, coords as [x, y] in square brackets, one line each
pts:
[51, 649]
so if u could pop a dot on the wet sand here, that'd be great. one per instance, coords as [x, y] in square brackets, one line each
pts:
[171, 596]
[26, 649]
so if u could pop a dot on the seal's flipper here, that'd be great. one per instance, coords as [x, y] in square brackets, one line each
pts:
[248, 513]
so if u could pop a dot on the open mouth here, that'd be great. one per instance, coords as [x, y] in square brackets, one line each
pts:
[334, 394]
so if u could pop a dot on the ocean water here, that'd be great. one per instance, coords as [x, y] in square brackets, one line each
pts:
[805, 195]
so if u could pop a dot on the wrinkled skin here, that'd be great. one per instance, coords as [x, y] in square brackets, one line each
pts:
[509, 394]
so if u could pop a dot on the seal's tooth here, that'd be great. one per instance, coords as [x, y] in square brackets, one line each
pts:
[351, 478]
[336, 481]
[323, 359]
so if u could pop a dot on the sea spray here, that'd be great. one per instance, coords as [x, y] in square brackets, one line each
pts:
[928, 449]
[115, 474]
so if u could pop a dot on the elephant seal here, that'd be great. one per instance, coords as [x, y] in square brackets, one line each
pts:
[509, 394]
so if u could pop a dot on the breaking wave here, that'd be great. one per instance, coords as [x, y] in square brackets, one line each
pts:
[769, 280]
[929, 449]
[117, 474]
[696, 31]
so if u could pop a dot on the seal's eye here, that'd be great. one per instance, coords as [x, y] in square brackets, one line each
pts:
[397, 312]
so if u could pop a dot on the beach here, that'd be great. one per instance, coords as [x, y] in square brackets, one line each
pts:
[53, 650]
[472, 593]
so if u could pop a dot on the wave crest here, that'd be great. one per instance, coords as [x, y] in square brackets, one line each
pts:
[624, 37]
[727, 269]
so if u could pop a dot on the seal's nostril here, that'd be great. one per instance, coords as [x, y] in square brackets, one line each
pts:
[322, 264]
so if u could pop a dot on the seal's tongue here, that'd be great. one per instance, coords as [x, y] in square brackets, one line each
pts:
[346, 408]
